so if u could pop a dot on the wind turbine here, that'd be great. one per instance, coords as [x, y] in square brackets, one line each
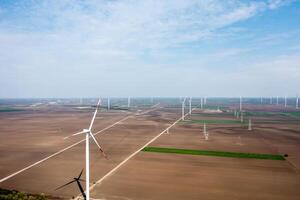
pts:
[182, 109]
[297, 102]
[128, 102]
[77, 180]
[242, 117]
[285, 101]
[241, 104]
[88, 134]
[108, 103]
[190, 105]
[249, 125]
[205, 132]
[201, 103]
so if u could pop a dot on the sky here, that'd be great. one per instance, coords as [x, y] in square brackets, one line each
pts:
[168, 48]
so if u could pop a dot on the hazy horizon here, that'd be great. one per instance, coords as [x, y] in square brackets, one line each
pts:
[214, 48]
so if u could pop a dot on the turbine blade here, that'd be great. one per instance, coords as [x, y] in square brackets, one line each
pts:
[73, 135]
[65, 185]
[78, 133]
[95, 113]
[91, 134]
[80, 174]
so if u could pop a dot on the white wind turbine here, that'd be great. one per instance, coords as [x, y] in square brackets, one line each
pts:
[241, 104]
[190, 105]
[128, 102]
[285, 101]
[182, 109]
[201, 102]
[88, 134]
[108, 103]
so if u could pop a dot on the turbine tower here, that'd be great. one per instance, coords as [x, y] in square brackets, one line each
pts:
[249, 125]
[108, 103]
[190, 105]
[201, 103]
[205, 132]
[277, 100]
[88, 133]
[242, 117]
[241, 106]
[128, 102]
[285, 101]
[297, 102]
[182, 109]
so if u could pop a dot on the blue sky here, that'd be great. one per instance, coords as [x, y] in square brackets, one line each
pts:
[116, 48]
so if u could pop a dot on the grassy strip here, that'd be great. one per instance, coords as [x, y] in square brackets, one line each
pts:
[297, 114]
[213, 153]
[10, 110]
[13, 195]
[211, 121]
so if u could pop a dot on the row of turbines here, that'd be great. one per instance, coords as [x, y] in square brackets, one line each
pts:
[285, 100]
[203, 101]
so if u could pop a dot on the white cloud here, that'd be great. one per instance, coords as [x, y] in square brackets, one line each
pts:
[47, 44]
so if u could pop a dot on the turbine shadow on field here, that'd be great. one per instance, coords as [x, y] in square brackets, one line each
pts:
[77, 180]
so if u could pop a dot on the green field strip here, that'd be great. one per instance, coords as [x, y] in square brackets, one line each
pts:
[214, 153]
[14, 194]
[10, 109]
[294, 114]
[211, 121]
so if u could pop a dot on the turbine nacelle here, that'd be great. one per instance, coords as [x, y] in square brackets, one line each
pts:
[86, 130]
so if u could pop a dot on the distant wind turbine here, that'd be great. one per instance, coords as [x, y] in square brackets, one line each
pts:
[241, 102]
[108, 103]
[182, 109]
[128, 102]
[201, 103]
[285, 101]
[249, 125]
[205, 132]
[190, 105]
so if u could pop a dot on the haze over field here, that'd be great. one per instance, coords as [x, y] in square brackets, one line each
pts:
[149, 48]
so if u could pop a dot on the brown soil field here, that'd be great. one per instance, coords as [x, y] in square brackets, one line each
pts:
[172, 176]
[28, 137]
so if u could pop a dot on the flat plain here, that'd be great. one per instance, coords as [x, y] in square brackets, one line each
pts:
[29, 136]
